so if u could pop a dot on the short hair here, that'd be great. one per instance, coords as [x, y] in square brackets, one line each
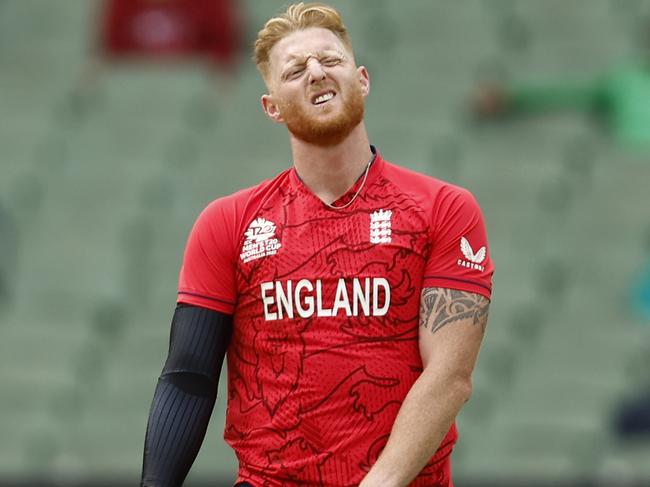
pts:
[297, 17]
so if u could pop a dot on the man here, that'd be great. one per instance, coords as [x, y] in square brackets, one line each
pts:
[620, 98]
[357, 292]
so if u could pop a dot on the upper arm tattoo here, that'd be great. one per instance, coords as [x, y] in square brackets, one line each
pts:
[440, 307]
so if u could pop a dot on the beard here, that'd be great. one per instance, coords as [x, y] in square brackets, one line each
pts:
[325, 131]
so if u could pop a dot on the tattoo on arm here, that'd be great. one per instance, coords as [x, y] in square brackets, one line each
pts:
[440, 307]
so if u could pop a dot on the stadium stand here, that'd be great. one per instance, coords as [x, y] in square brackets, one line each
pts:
[104, 192]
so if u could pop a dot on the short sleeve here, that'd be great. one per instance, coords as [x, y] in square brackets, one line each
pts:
[460, 256]
[207, 276]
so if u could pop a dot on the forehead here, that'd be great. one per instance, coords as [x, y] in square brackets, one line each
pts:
[303, 43]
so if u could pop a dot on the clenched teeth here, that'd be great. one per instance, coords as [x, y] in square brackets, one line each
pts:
[323, 98]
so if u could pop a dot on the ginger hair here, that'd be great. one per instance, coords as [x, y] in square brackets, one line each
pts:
[297, 17]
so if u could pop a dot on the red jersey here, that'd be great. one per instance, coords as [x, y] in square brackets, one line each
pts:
[326, 314]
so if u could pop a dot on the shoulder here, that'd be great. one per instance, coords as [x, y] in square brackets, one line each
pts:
[241, 205]
[431, 193]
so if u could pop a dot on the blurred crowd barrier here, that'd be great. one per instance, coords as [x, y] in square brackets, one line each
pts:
[103, 171]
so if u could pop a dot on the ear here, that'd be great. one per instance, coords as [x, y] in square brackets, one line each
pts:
[364, 80]
[271, 108]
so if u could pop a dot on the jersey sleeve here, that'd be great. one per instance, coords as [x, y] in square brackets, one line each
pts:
[207, 276]
[460, 257]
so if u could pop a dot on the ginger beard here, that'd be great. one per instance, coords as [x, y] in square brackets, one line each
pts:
[325, 130]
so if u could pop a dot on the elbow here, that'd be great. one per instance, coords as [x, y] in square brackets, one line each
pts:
[455, 386]
[462, 389]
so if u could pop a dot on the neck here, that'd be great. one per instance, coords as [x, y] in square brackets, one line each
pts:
[329, 172]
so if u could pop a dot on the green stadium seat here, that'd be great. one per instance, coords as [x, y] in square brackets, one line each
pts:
[104, 201]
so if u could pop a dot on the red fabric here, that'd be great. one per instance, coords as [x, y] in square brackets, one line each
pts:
[170, 28]
[312, 398]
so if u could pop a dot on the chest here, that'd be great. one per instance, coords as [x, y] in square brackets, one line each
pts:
[298, 260]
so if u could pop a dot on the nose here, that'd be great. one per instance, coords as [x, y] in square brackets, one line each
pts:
[315, 70]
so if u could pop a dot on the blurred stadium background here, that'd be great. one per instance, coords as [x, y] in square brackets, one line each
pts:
[101, 182]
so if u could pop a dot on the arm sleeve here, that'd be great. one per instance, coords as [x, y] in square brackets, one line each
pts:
[460, 257]
[185, 395]
[207, 276]
[558, 96]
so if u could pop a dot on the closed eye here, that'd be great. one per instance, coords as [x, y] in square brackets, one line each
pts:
[331, 61]
[294, 72]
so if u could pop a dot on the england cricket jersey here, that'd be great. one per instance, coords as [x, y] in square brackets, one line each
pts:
[326, 306]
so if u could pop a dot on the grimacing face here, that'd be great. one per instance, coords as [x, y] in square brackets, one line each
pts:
[315, 87]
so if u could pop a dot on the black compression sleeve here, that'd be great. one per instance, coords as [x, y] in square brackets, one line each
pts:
[185, 395]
